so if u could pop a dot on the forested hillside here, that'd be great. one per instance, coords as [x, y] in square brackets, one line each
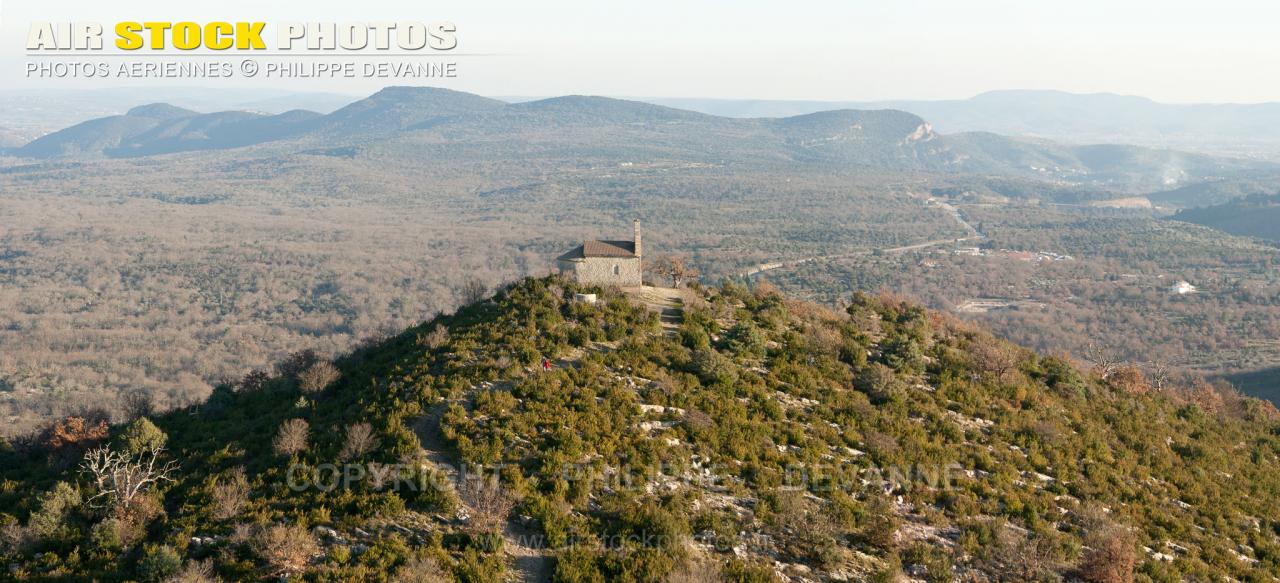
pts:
[155, 276]
[1256, 215]
[763, 439]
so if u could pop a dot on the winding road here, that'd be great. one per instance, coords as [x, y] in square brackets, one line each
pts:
[973, 235]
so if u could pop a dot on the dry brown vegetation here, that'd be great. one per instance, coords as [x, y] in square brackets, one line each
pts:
[292, 438]
[318, 376]
[230, 494]
[165, 276]
[1109, 306]
[286, 548]
[359, 441]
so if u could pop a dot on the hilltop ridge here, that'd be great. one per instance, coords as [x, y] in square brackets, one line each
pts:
[766, 439]
[888, 139]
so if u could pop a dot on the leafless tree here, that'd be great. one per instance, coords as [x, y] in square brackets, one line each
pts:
[1103, 360]
[995, 357]
[1159, 374]
[361, 439]
[674, 268]
[137, 403]
[120, 478]
[489, 502]
[473, 291]
[1020, 556]
[195, 572]
[230, 494]
[1110, 555]
[286, 548]
[292, 437]
[436, 338]
[421, 569]
[13, 537]
[318, 376]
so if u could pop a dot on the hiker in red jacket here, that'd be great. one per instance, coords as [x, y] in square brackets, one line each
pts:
[546, 364]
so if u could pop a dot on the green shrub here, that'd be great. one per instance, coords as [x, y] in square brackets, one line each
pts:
[105, 537]
[141, 435]
[937, 562]
[714, 368]
[879, 522]
[694, 337]
[743, 572]
[476, 567]
[158, 563]
[577, 565]
[56, 506]
[745, 339]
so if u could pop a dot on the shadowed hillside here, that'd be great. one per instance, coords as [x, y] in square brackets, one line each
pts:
[1256, 215]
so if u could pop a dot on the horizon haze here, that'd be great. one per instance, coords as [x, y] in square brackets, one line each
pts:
[836, 51]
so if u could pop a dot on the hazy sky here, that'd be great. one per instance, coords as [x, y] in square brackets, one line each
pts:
[1169, 50]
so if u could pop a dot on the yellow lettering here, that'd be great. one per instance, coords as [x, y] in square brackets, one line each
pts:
[157, 33]
[215, 36]
[129, 39]
[249, 35]
[186, 36]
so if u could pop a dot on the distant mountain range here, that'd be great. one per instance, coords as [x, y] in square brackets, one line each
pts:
[26, 114]
[1057, 115]
[884, 139]
[1250, 130]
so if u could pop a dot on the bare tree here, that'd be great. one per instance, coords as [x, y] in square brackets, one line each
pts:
[286, 548]
[1160, 374]
[292, 437]
[1018, 555]
[421, 569]
[473, 291]
[1103, 360]
[230, 494]
[318, 376]
[120, 478]
[489, 502]
[674, 268]
[361, 439]
[137, 403]
[13, 537]
[660, 266]
[1110, 555]
[195, 572]
[995, 357]
[436, 338]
